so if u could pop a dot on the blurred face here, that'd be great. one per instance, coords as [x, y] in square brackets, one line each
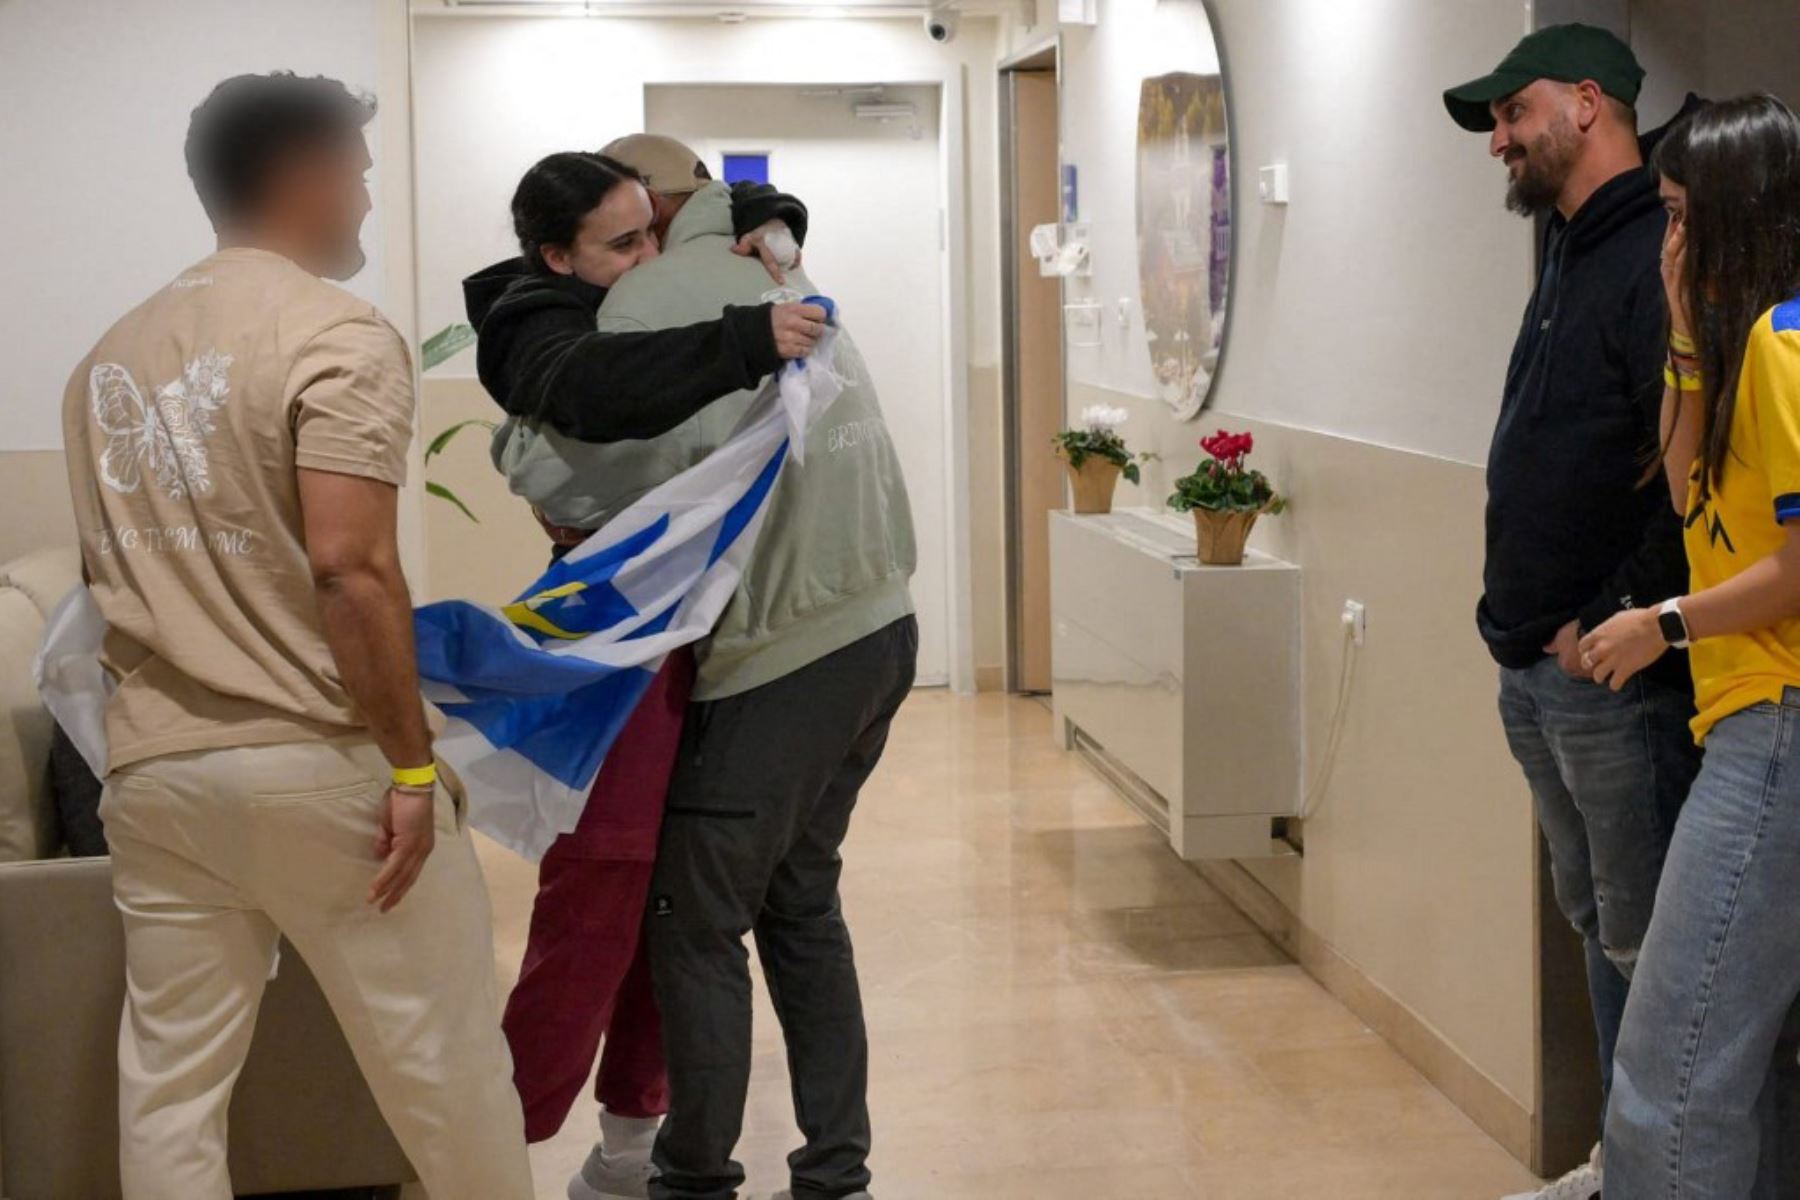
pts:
[1536, 134]
[321, 198]
[615, 236]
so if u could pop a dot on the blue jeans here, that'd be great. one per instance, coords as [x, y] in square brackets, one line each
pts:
[1608, 773]
[1695, 1098]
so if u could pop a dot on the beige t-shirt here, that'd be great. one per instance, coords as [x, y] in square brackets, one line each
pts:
[184, 428]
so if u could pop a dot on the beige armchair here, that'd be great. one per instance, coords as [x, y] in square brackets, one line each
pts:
[302, 1118]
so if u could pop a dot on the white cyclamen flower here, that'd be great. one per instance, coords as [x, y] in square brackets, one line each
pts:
[1102, 418]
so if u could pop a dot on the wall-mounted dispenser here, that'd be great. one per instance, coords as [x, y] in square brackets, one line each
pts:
[1061, 250]
[1081, 323]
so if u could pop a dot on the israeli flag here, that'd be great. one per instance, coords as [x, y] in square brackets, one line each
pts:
[536, 692]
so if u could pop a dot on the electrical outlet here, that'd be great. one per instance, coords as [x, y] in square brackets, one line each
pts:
[1356, 620]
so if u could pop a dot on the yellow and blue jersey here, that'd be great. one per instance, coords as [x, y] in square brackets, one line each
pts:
[1740, 522]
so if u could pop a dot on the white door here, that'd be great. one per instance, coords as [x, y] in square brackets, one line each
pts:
[875, 245]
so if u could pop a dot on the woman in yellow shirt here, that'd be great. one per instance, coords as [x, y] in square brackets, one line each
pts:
[1691, 1109]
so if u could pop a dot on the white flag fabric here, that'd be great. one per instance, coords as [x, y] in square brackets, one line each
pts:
[69, 677]
[537, 691]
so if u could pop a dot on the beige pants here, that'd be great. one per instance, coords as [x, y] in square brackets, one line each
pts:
[217, 853]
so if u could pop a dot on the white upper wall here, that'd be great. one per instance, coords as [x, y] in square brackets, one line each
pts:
[98, 212]
[1382, 303]
[496, 94]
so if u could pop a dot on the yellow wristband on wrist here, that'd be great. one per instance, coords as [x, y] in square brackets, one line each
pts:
[1681, 383]
[1681, 343]
[418, 777]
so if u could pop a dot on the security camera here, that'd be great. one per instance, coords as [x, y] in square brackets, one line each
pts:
[941, 25]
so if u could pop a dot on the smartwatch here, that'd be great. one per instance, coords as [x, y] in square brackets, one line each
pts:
[1673, 624]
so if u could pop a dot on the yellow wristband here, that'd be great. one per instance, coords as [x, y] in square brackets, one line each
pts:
[1681, 383]
[418, 777]
[1681, 343]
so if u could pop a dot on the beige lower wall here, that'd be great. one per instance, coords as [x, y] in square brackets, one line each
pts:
[492, 558]
[34, 502]
[1418, 863]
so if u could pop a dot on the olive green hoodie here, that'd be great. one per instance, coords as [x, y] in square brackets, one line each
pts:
[835, 553]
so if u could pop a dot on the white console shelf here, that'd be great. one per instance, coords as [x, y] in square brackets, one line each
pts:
[1181, 681]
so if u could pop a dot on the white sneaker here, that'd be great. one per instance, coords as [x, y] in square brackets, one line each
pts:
[784, 1194]
[1583, 1183]
[607, 1177]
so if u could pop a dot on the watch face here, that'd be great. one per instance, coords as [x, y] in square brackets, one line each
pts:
[1674, 629]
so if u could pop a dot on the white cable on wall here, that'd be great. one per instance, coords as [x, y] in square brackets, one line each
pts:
[1334, 731]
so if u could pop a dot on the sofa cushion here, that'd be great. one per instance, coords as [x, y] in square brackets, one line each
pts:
[45, 576]
[27, 810]
[31, 587]
[301, 1116]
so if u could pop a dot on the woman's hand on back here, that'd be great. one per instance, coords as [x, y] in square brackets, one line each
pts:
[774, 244]
[798, 328]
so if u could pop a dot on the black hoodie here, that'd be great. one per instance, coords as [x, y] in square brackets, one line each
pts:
[1574, 533]
[540, 357]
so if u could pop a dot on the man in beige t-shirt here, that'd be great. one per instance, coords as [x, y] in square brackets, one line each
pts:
[235, 448]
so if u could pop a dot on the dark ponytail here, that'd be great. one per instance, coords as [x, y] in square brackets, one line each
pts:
[556, 194]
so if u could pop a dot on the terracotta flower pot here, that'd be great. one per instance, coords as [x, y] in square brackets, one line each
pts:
[1222, 535]
[1093, 484]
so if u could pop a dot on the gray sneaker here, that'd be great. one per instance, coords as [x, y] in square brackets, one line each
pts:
[608, 1177]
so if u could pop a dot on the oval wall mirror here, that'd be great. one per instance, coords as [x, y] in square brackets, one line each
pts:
[1184, 206]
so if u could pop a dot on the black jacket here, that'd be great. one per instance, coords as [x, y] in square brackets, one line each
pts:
[540, 357]
[1573, 530]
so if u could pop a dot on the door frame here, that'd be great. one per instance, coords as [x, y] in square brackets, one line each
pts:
[1044, 56]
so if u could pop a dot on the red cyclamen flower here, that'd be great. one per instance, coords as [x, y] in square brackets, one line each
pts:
[1229, 448]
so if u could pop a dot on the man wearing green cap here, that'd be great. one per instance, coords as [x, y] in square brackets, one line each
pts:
[1572, 537]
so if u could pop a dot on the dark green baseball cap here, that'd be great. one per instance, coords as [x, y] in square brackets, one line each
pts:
[1565, 53]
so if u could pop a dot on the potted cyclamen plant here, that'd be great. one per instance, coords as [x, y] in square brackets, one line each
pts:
[1096, 457]
[1225, 497]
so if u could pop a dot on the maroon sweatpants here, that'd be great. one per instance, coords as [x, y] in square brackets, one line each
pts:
[585, 974]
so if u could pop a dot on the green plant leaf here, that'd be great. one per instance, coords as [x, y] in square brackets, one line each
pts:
[443, 439]
[1131, 473]
[445, 343]
[1077, 445]
[444, 493]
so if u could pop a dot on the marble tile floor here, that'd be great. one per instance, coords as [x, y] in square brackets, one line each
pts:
[1059, 1009]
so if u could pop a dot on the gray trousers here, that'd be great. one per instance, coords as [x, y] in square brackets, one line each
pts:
[758, 808]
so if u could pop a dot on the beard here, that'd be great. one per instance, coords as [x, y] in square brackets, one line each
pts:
[1547, 164]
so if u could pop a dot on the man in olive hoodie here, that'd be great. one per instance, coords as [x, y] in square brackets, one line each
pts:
[796, 690]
